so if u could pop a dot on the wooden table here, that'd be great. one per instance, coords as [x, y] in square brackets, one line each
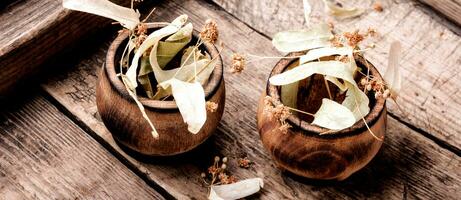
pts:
[54, 146]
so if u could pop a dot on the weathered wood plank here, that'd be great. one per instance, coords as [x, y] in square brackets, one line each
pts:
[409, 165]
[449, 8]
[44, 155]
[431, 56]
[31, 31]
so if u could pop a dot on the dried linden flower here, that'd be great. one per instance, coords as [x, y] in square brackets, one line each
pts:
[353, 38]
[238, 63]
[244, 162]
[211, 106]
[210, 31]
[378, 7]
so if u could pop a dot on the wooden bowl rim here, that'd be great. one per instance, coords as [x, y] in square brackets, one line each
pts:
[210, 88]
[313, 130]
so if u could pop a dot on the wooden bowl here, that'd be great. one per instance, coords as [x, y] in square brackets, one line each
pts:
[302, 150]
[124, 120]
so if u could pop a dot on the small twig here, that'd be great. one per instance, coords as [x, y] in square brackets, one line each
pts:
[328, 87]
[300, 111]
[147, 17]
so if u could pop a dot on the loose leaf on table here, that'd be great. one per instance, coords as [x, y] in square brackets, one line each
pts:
[329, 68]
[127, 17]
[236, 190]
[392, 76]
[333, 115]
[292, 41]
[340, 12]
[168, 49]
[152, 40]
[356, 101]
[315, 54]
[190, 99]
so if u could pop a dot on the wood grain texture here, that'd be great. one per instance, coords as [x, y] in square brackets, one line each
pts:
[44, 155]
[408, 165]
[32, 31]
[449, 8]
[430, 97]
[302, 149]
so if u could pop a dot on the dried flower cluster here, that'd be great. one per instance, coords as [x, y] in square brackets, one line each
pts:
[377, 6]
[238, 63]
[279, 112]
[217, 173]
[378, 87]
[140, 34]
[353, 38]
[211, 106]
[244, 162]
[210, 31]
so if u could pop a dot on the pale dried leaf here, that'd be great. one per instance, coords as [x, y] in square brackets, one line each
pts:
[293, 41]
[392, 76]
[340, 12]
[168, 49]
[315, 54]
[152, 40]
[187, 73]
[236, 190]
[334, 80]
[328, 68]
[289, 92]
[190, 99]
[127, 17]
[333, 115]
[356, 101]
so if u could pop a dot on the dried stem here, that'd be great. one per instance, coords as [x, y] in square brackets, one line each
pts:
[328, 87]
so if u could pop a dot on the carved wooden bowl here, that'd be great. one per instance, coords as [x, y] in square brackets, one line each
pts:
[302, 150]
[124, 120]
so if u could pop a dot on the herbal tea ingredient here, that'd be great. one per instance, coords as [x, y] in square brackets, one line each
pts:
[225, 186]
[151, 53]
[320, 43]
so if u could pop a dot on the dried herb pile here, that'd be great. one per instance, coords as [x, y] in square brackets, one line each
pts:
[147, 55]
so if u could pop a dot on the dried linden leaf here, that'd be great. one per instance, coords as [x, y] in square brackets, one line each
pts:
[168, 49]
[334, 80]
[340, 12]
[392, 76]
[356, 101]
[190, 99]
[152, 40]
[333, 116]
[127, 17]
[293, 41]
[289, 92]
[236, 190]
[329, 68]
[187, 73]
[315, 54]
